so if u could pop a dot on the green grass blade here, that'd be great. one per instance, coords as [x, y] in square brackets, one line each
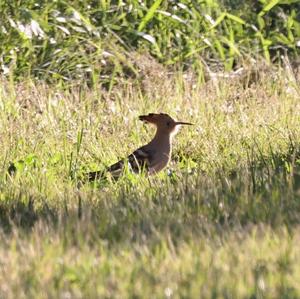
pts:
[268, 7]
[149, 15]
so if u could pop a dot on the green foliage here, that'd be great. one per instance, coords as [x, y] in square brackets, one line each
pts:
[93, 41]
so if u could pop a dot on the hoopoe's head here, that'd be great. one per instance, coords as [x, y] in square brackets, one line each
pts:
[163, 122]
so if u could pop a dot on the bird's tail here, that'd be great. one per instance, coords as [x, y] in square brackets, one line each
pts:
[135, 163]
[94, 176]
[114, 171]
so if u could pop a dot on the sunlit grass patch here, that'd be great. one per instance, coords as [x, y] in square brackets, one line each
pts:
[221, 221]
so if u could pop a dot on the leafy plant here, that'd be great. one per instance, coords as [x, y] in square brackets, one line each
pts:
[92, 42]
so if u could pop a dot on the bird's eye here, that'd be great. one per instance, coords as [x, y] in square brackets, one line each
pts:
[168, 123]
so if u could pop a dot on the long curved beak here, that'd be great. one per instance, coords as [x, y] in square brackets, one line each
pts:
[183, 123]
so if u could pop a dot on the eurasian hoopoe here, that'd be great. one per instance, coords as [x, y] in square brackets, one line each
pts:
[151, 157]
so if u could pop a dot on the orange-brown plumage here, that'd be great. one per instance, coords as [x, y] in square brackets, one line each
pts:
[152, 157]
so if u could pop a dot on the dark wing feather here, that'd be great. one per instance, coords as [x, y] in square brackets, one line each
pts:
[139, 160]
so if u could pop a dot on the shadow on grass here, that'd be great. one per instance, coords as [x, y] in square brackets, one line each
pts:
[267, 192]
[24, 215]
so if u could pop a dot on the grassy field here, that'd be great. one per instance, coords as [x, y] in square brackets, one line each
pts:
[222, 223]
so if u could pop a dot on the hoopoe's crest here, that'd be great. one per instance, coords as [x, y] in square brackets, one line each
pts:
[153, 156]
[164, 122]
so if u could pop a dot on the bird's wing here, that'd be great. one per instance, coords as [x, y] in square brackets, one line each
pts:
[138, 161]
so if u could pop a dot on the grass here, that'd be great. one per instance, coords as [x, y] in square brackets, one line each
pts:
[223, 223]
[234, 265]
[94, 42]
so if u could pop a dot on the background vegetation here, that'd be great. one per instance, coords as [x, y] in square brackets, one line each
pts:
[97, 41]
[222, 221]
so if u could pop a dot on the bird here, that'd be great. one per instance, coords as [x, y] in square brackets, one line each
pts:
[152, 157]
